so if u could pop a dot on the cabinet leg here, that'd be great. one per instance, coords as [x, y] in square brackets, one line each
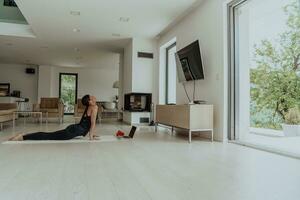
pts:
[212, 135]
[190, 136]
[172, 130]
[14, 122]
[155, 127]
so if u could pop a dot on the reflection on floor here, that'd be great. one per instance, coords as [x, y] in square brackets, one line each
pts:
[284, 145]
[156, 166]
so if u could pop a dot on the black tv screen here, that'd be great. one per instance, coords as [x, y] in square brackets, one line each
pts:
[190, 62]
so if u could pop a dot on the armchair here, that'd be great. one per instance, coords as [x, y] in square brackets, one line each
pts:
[78, 109]
[53, 106]
[6, 112]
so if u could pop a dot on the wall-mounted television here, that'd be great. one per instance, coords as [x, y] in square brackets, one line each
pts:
[10, 3]
[189, 63]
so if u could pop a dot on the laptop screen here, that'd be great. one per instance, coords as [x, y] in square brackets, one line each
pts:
[132, 131]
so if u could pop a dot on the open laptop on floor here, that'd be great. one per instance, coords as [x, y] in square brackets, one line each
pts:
[131, 134]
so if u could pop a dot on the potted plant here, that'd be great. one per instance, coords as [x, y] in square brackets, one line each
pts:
[291, 127]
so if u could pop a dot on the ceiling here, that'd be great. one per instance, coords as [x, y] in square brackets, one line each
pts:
[65, 39]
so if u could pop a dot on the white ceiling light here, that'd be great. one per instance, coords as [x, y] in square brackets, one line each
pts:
[124, 19]
[75, 13]
[76, 30]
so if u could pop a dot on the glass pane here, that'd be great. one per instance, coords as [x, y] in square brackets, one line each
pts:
[267, 75]
[172, 73]
[68, 92]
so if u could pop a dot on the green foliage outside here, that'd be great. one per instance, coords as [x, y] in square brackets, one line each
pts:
[275, 82]
[68, 92]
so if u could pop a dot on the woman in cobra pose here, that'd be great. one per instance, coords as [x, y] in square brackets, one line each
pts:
[85, 126]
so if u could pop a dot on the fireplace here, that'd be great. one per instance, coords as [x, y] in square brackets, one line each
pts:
[138, 102]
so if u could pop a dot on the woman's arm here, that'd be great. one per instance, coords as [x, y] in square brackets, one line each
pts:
[93, 122]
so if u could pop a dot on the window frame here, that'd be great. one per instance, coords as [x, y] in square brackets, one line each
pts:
[76, 87]
[233, 67]
[167, 70]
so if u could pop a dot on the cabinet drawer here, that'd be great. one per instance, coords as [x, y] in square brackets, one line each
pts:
[173, 115]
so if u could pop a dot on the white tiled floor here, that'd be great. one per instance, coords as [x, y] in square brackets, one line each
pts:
[285, 145]
[152, 166]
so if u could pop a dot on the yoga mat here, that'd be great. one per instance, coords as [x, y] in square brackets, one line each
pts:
[104, 138]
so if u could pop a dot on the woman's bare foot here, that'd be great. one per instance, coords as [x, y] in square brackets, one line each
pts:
[11, 138]
[17, 138]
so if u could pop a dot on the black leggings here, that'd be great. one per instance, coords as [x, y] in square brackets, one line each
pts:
[70, 132]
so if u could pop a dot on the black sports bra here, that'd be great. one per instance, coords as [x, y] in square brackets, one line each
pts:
[85, 119]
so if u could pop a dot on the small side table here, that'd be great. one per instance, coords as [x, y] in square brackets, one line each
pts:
[29, 113]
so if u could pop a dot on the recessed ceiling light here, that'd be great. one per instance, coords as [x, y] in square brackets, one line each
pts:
[116, 34]
[75, 13]
[124, 19]
[76, 30]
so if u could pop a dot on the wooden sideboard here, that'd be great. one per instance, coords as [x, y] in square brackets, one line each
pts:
[194, 117]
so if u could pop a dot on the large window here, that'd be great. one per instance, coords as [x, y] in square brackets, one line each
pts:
[266, 71]
[171, 74]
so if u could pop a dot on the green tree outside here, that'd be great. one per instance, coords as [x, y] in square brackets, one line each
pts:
[68, 92]
[275, 82]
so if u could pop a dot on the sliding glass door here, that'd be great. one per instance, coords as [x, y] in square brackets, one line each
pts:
[266, 73]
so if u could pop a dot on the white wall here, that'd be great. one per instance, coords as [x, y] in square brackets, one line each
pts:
[127, 69]
[142, 70]
[19, 80]
[139, 72]
[121, 81]
[97, 82]
[205, 24]
[44, 81]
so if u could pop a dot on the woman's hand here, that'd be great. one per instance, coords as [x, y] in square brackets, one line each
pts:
[94, 137]
[91, 137]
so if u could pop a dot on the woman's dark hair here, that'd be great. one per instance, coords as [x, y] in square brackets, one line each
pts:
[85, 100]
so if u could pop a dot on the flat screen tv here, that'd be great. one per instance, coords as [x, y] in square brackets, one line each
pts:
[189, 63]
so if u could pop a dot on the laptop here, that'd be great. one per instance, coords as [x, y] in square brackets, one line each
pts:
[131, 134]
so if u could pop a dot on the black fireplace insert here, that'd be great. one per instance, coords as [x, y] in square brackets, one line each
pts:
[138, 102]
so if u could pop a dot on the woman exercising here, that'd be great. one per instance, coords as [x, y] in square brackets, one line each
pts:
[85, 126]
